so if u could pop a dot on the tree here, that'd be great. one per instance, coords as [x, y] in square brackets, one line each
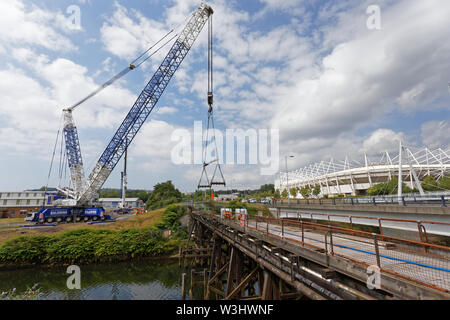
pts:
[294, 192]
[109, 193]
[277, 194]
[316, 190]
[284, 194]
[430, 184]
[444, 183]
[143, 195]
[115, 193]
[197, 195]
[267, 188]
[390, 187]
[163, 194]
[305, 191]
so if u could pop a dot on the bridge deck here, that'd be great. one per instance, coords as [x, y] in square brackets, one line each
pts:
[431, 268]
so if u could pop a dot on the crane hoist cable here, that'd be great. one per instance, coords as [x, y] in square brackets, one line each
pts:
[210, 183]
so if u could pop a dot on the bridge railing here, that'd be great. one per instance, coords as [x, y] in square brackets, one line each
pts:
[381, 223]
[441, 199]
[424, 263]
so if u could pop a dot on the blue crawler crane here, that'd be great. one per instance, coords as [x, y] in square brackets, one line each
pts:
[79, 203]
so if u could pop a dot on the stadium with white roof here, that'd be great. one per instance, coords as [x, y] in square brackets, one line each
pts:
[351, 177]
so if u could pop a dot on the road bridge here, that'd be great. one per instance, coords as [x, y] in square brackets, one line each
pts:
[270, 258]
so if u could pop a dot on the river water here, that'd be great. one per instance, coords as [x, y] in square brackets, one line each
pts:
[144, 280]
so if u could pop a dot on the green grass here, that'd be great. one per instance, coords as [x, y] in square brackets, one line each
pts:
[11, 221]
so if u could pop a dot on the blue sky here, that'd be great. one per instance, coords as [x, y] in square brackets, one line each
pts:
[309, 68]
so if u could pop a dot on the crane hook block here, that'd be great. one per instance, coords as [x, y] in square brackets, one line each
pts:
[210, 98]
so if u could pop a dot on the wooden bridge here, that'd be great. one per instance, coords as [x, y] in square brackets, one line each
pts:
[265, 258]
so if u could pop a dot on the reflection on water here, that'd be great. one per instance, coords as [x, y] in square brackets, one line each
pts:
[146, 280]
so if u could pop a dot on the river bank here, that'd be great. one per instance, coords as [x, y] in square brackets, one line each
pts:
[97, 245]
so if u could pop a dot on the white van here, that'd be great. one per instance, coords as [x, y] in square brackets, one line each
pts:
[30, 217]
[241, 211]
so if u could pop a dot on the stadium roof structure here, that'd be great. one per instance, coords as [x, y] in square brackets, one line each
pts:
[352, 177]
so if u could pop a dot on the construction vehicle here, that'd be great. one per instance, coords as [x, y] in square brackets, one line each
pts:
[80, 203]
[68, 214]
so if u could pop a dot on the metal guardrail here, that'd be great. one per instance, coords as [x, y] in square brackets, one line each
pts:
[407, 199]
[420, 225]
[420, 262]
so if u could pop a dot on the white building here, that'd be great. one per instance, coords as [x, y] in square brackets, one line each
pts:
[15, 204]
[351, 177]
[113, 203]
[227, 197]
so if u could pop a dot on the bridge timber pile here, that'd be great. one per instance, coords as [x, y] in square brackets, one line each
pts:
[270, 259]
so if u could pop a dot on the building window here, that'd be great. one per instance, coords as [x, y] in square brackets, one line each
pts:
[28, 201]
[17, 202]
[4, 202]
[12, 212]
[23, 211]
[8, 194]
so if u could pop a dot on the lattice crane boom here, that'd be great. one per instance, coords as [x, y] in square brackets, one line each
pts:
[143, 105]
[73, 152]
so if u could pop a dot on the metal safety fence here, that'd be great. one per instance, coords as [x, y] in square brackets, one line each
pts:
[381, 223]
[440, 199]
[420, 262]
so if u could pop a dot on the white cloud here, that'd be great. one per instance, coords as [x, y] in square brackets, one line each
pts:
[154, 140]
[436, 134]
[34, 27]
[363, 77]
[383, 140]
[294, 7]
[165, 110]
[128, 33]
[31, 103]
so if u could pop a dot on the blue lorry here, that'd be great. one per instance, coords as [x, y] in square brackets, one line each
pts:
[59, 215]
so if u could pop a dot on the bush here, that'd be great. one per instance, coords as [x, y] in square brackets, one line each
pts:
[83, 246]
[170, 218]
[23, 248]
